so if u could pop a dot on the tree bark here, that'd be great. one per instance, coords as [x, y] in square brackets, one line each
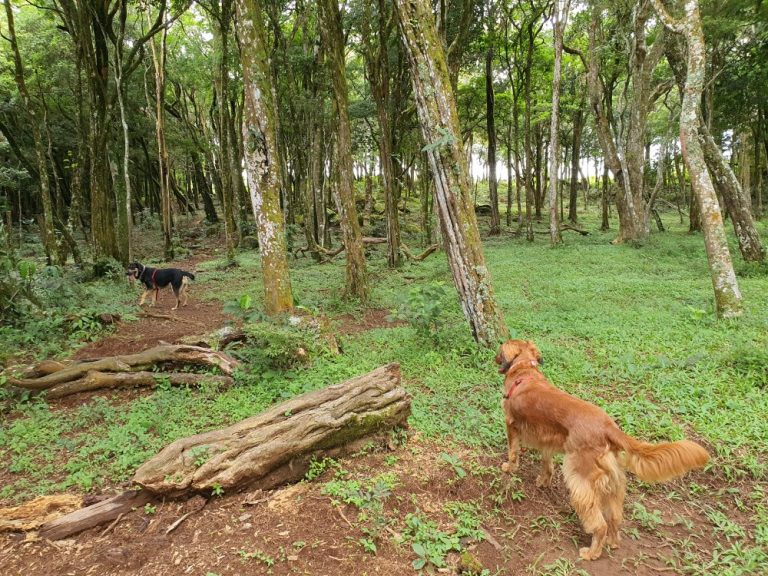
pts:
[728, 302]
[276, 446]
[333, 37]
[262, 163]
[441, 133]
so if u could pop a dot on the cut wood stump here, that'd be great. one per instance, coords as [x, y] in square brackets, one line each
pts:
[276, 446]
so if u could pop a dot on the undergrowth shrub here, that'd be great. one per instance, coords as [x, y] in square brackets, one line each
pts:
[424, 309]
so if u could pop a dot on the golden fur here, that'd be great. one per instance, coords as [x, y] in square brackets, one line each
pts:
[596, 450]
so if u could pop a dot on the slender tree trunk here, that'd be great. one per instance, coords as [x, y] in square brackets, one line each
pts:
[441, 133]
[490, 123]
[728, 302]
[560, 17]
[333, 36]
[262, 164]
[220, 30]
[46, 229]
[578, 126]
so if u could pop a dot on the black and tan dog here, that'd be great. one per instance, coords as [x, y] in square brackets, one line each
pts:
[156, 278]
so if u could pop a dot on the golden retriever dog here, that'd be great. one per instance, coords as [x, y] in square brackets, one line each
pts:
[596, 450]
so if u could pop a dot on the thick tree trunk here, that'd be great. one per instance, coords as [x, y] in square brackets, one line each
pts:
[262, 163]
[276, 446]
[441, 133]
[728, 301]
[333, 36]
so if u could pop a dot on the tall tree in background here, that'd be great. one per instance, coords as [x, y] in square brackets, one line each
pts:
[47, 233]
[376, 54]
[440, 131]
[559, 17]
[727, 294]
[262, 164]
[333, 37]
[490, 121]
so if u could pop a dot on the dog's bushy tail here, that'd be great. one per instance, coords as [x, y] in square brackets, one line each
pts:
[188, 274]
[659, 462]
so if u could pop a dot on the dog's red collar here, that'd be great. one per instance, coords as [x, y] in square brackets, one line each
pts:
[154, 273]
[512, 389]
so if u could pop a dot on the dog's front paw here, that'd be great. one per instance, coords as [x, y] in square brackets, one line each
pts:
[510, 467]
[543, 480]
[587, 554]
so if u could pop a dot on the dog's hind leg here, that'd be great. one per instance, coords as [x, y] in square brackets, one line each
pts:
[544, 478]
[584, 480]
[613, 498]
[184, 288]
[178, 291]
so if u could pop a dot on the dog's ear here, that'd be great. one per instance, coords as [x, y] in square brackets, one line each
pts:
[535, 352]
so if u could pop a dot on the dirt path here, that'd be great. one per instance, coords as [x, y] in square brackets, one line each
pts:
[197, 318]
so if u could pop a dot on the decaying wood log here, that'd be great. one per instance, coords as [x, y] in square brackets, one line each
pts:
[94, 515]
[33, 514]
[276, 446]
[170, 353]
[98, 380]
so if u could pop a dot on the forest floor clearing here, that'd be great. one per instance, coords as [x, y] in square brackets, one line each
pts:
[628, 329]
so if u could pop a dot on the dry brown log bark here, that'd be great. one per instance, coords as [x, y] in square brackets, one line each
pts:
[98, 380]
[181, 354]
[94, 515]
[276, 446]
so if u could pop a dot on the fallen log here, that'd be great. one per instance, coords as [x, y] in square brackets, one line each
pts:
[91, 516]
[98, 380]
[277, 446]
[170, 353]
[33, 514]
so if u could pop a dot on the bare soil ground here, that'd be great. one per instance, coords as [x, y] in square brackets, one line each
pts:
[299, 530]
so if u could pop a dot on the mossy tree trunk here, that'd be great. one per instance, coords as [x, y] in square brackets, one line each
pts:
[262, 165]
[333, 38]
[440, 130]
[727, 295]
[736, 200]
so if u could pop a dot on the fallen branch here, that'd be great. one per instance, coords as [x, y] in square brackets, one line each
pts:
[99, 513]
[331, 254]
[98, 380]
[148, 314]
[574, 229]
[276, 446]
[420, 257]
[176, 353]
